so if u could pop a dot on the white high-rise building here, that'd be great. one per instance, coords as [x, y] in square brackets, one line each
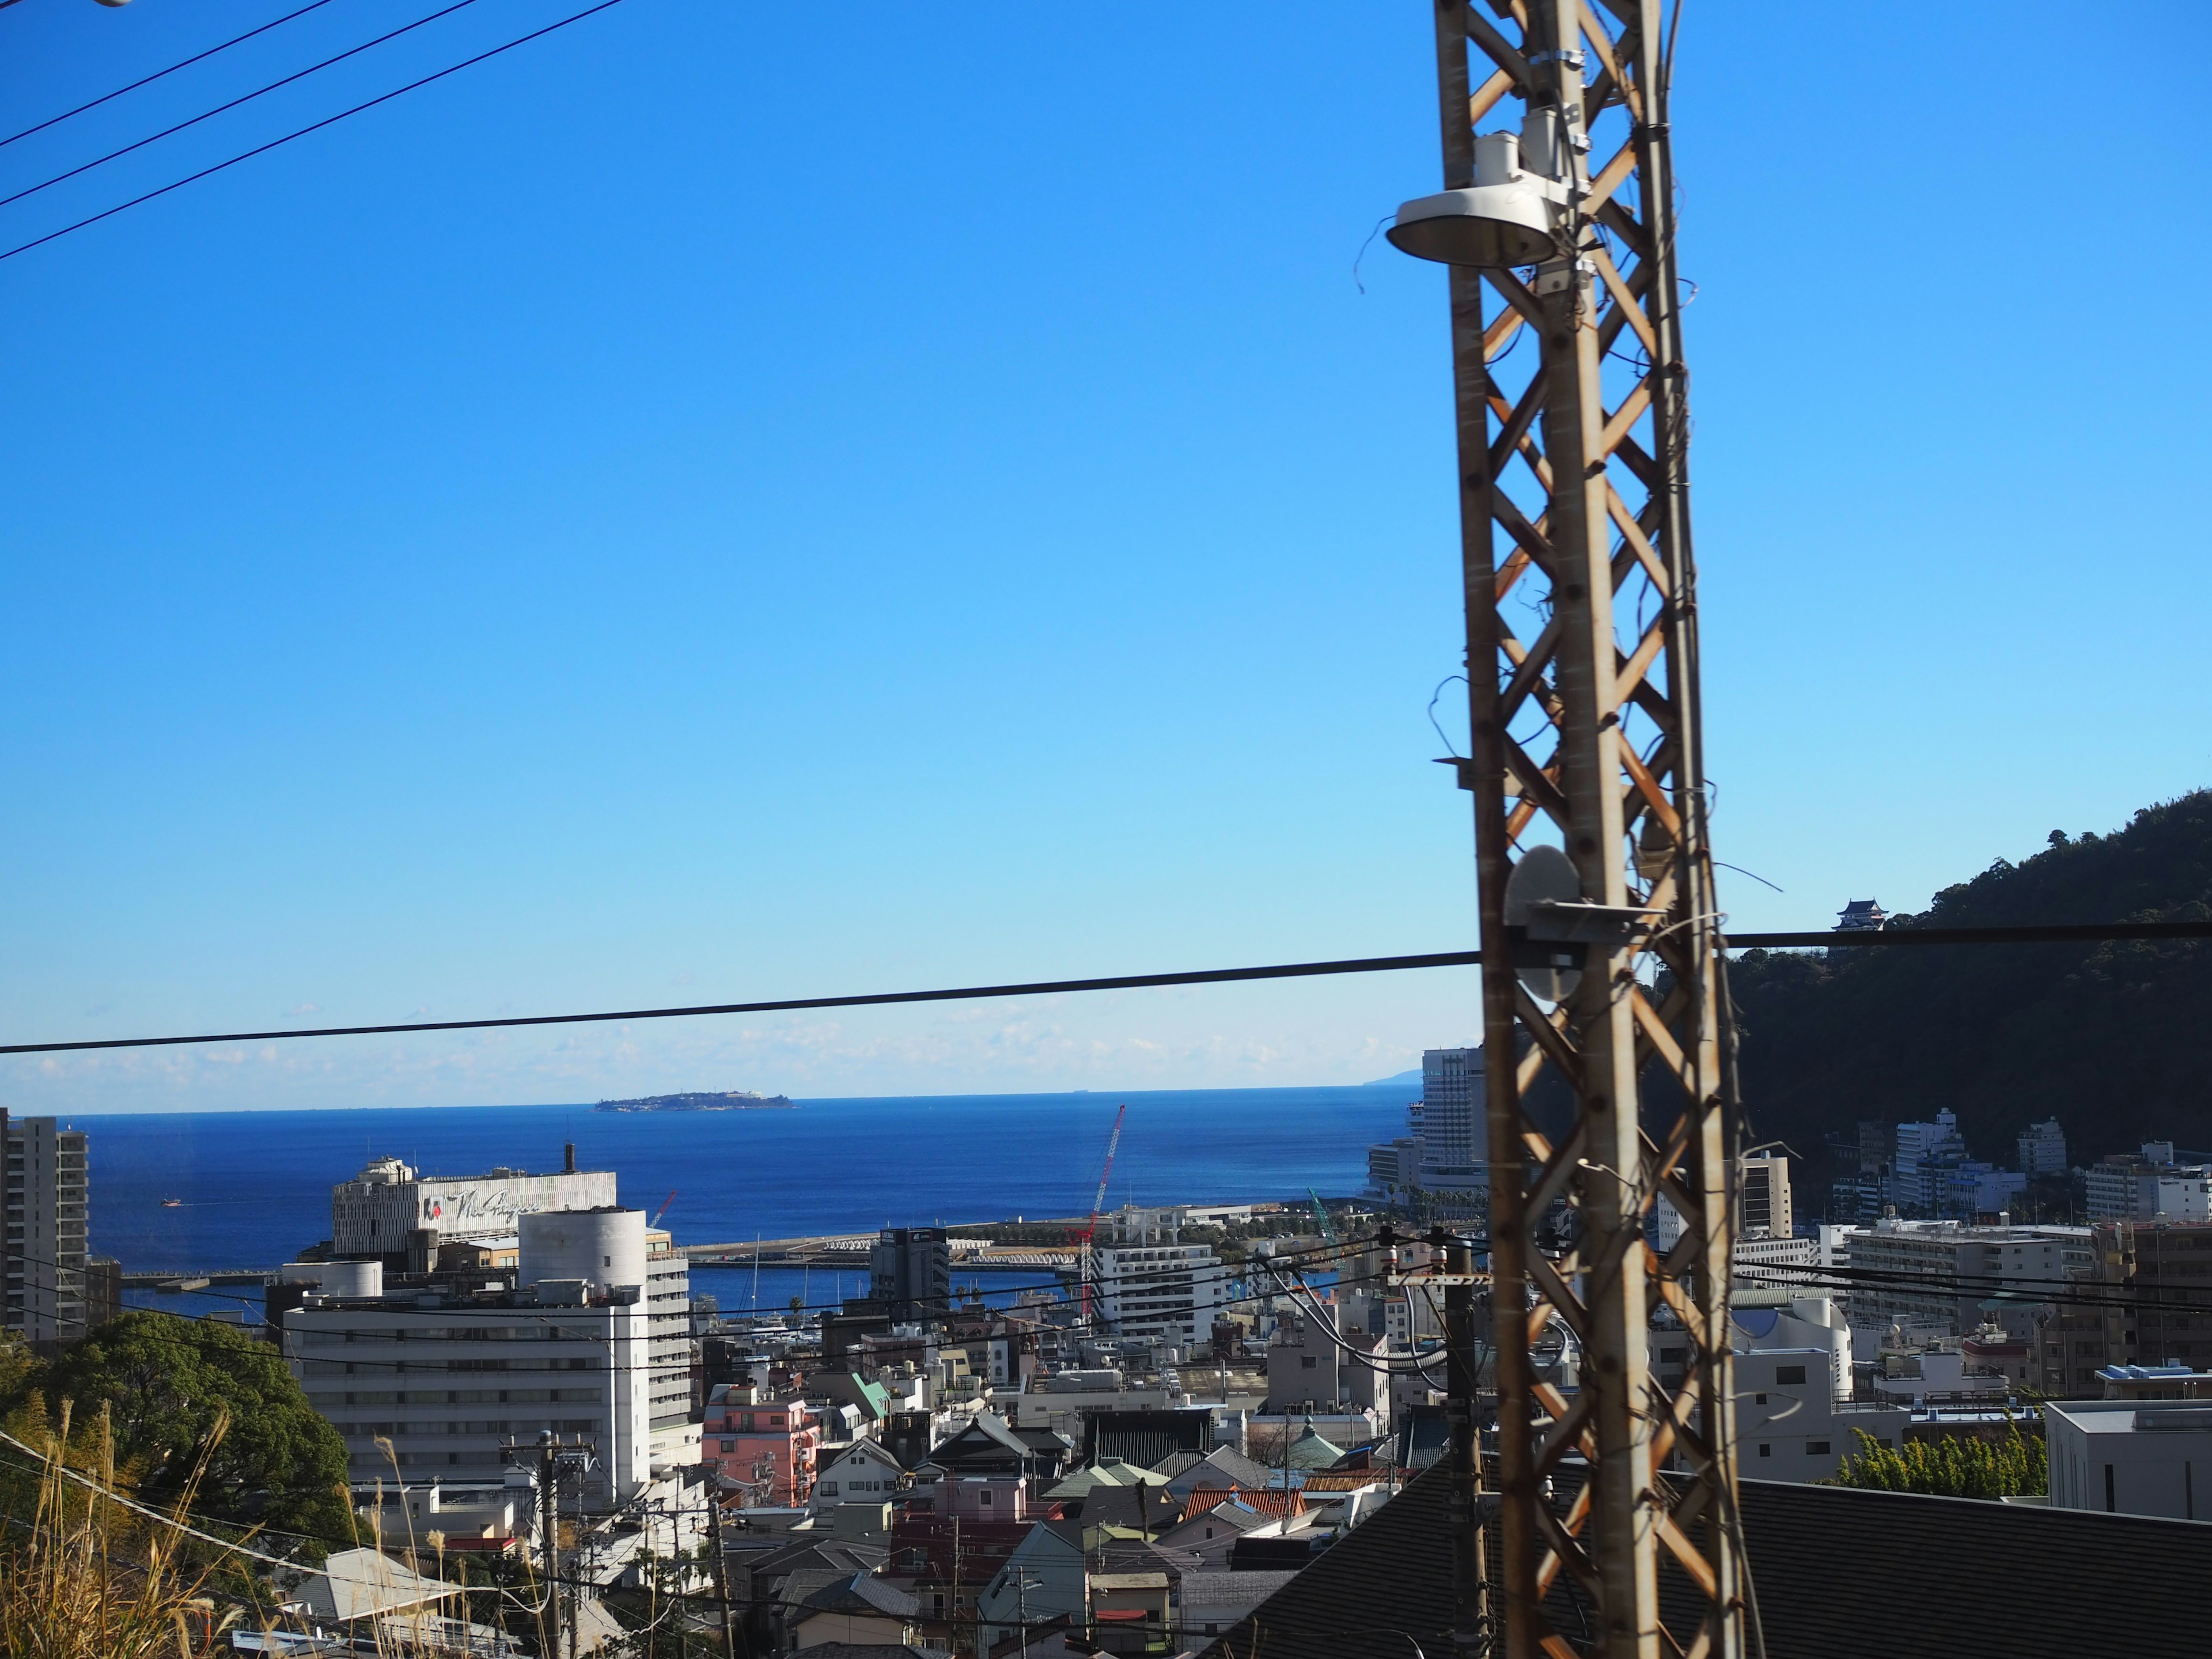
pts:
[1446, 1148]
[2043, 1148]
[1763, 1195]
[1454, 1127]
[444, 1378]
[668, 1334]
[1163, 1290]
[46, 1192]
[1927, 1155]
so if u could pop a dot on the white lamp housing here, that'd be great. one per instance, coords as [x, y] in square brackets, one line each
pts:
[1504, 219]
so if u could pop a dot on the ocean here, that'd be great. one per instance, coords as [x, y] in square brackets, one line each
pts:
[254, 1188]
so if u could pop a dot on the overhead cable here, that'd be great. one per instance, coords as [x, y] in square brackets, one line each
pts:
[317, 126]
[149, 80]
[2065, 933]
[244, 98]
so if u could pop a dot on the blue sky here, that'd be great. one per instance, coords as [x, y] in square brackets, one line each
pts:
[730, 502]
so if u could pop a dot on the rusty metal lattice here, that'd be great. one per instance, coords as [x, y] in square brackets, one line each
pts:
[1581, 646]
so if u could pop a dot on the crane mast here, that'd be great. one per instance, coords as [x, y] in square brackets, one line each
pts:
[1098, 1204]
[1599, 932]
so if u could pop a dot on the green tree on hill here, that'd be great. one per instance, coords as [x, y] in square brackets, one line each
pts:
[167, 1382]
[2114, 1039]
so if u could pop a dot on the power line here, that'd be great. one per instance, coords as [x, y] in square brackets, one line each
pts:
[317, 126]
[1040, 988]
[2086, 932]
[147, 81]
[244, 98]
[2066, 933]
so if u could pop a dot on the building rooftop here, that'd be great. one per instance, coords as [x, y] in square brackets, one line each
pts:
[864, 1594]
[1841, 1574]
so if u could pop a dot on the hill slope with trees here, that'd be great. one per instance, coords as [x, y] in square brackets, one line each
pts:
[2114, 1039]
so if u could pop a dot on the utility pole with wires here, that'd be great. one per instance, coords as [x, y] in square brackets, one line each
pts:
[556, 1456]
[1599, 932]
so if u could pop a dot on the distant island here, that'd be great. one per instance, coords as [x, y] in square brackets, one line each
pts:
[734, 1100]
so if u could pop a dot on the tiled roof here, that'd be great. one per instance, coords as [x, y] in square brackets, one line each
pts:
[1311, 1450]
[1225, 1465]
[863, 1593]
[1145, 1437]
[1277, 1502]
[1840, 1574]
[1229, 1589]
[1234, 1516]
[832, 1554]
[1351, 1480]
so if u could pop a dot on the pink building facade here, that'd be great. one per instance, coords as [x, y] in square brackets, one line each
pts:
[766, 1447]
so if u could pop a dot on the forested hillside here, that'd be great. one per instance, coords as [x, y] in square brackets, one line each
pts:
[2115, 1040]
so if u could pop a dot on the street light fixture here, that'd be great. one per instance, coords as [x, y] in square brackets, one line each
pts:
[1510, 216]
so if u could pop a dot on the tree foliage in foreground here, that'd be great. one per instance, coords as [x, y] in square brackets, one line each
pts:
[1953, 1466]
[167, 1382]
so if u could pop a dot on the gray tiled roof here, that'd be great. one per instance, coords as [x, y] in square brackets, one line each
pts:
[863, 1593]
[1840, 1575]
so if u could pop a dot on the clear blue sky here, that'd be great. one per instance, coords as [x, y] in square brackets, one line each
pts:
[730, 502]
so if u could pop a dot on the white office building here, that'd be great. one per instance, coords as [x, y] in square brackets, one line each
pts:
[2148, 1188]
[672, 1349]
[1168, 1291]
[1763, 1201]
[2043, 1149]
[376, 1213]
[46, 1192]
[2130, 1456]
[1934, 1276]
[447, 1377]
[1455, 1123]
[1795, 1417]
[1927, 1154]
[1394, 1168]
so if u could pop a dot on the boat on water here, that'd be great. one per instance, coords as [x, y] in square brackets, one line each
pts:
[173, 1203]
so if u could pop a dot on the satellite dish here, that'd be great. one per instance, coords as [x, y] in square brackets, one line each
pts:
[1549, 972]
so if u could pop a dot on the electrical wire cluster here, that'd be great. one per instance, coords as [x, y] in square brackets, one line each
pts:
[249, 97]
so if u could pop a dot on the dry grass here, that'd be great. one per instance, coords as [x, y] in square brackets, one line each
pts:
[83, 1577]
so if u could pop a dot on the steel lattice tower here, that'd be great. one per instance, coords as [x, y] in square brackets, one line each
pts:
[1581, 604]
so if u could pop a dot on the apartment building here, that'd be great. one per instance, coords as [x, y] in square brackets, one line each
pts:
[1936, 1275]
[1763, 1203]
[767, 1448]
[46, 1194]
[447, 1377]
[673, 1350]
[910, 1271]
[1168, 1291]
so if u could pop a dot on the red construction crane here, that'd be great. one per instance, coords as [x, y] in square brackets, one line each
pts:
[663, 1210]
[1098, 1203]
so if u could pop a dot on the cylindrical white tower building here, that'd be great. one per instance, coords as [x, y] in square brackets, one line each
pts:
[605, 1248]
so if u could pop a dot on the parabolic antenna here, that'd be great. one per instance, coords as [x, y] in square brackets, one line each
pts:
[1549, 971]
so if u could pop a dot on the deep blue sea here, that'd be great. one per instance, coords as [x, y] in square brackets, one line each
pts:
[256, 1186]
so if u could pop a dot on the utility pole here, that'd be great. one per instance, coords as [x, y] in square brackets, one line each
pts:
[1601, 946]
[553, 1457]
[1470, 1561]
[1450, 1266]
[721, 1576]
[549, 1511]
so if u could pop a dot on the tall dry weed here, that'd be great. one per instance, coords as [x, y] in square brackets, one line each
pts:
[84, 1576]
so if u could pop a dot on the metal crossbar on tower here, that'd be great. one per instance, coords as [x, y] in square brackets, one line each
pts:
[1598, 926]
